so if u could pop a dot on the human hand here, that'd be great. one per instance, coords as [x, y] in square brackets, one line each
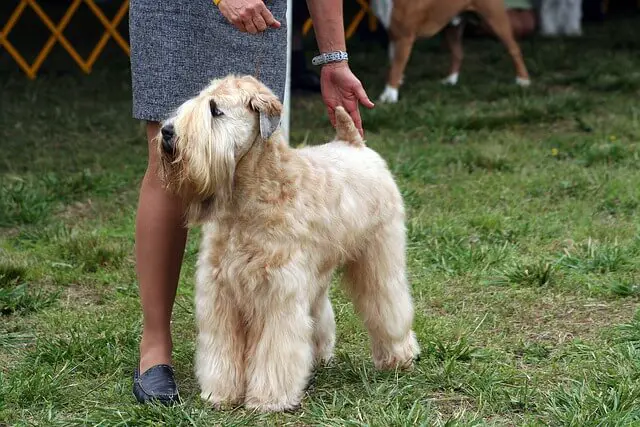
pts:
[340, 87]
[249, 16]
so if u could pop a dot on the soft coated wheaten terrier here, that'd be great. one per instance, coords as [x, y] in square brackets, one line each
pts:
[276, 223]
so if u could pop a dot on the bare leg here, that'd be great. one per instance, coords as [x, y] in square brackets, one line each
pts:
[453, 37]
[498, 21]
[160, 242]
[378, 286]
[402, 47]
[549, 11]
[574, 18]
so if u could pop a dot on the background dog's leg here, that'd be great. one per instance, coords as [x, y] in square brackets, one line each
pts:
[401, 53]
[219, 361]
[453, 36]
[377, 284]
[497, 18]
[279, 356]
[324, 328]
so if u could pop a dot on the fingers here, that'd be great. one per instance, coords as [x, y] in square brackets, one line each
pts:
[268, 18]
[251, 28]
[332, 116]
[361, 94]
[258, 22]
[253, 19]
[355, 116]
[363, 98]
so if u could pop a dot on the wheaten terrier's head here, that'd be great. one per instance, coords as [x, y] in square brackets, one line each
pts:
[202, 142]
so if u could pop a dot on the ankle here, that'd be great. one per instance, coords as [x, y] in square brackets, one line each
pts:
[155, 349]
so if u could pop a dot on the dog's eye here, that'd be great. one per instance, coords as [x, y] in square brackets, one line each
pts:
[215, 112]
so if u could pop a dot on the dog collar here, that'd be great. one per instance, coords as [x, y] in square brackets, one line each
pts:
[329, 57]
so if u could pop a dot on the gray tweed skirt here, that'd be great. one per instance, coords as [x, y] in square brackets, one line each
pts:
[179, 46]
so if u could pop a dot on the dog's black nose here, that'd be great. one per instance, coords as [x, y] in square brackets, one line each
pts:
[168, 133]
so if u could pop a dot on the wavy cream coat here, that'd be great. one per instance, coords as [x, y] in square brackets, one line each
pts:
[276, 223]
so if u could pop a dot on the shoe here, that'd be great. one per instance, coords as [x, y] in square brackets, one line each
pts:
[156, 384]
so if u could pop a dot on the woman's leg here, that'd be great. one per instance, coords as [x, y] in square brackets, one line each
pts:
[160, 242]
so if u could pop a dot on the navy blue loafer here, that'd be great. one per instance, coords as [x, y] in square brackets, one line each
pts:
[157, 384]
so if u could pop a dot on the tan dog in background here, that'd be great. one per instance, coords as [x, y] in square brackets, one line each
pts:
[276, 223]
[409, 20]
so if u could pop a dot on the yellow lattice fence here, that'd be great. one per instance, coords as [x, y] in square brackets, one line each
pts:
[364, 11]
[57, 34]
[110, 32]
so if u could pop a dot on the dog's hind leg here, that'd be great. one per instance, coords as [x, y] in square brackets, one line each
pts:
[453, 36]
[496, 17]
[279, 354]
[219, 355]
[376, 281]
[324, 328]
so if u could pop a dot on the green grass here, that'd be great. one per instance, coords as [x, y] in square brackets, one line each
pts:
[524, 245]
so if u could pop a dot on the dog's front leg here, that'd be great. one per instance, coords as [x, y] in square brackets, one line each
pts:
[279, 357]
[402, 47]
[219, 358]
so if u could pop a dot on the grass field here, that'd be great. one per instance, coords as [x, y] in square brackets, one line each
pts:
[524, 249]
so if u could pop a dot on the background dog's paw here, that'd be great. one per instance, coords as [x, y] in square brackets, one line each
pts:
[451, 79]
[523, 82]
[219, 403]
[389, 95]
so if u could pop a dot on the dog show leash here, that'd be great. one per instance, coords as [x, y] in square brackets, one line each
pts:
[257, 60]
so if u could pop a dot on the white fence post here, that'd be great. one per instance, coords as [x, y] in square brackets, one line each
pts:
[287, 90]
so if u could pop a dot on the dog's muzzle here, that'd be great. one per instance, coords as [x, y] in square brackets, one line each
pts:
[168, 134]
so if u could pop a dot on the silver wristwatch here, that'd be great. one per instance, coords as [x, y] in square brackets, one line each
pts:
[329, 57]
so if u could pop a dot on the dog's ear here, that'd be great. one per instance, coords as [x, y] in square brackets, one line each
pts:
[270, 109]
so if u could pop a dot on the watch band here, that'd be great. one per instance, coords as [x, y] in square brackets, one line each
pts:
[329, 57]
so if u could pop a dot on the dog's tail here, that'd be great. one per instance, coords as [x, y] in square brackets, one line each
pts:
[346, 129]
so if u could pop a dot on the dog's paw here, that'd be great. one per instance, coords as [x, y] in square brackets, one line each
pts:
[389, 95]
[403, 357]
[523, 82]
[451, 79]
[266, 407]
[219, 402]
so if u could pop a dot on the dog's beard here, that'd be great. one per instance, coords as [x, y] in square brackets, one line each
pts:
[201, 169]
